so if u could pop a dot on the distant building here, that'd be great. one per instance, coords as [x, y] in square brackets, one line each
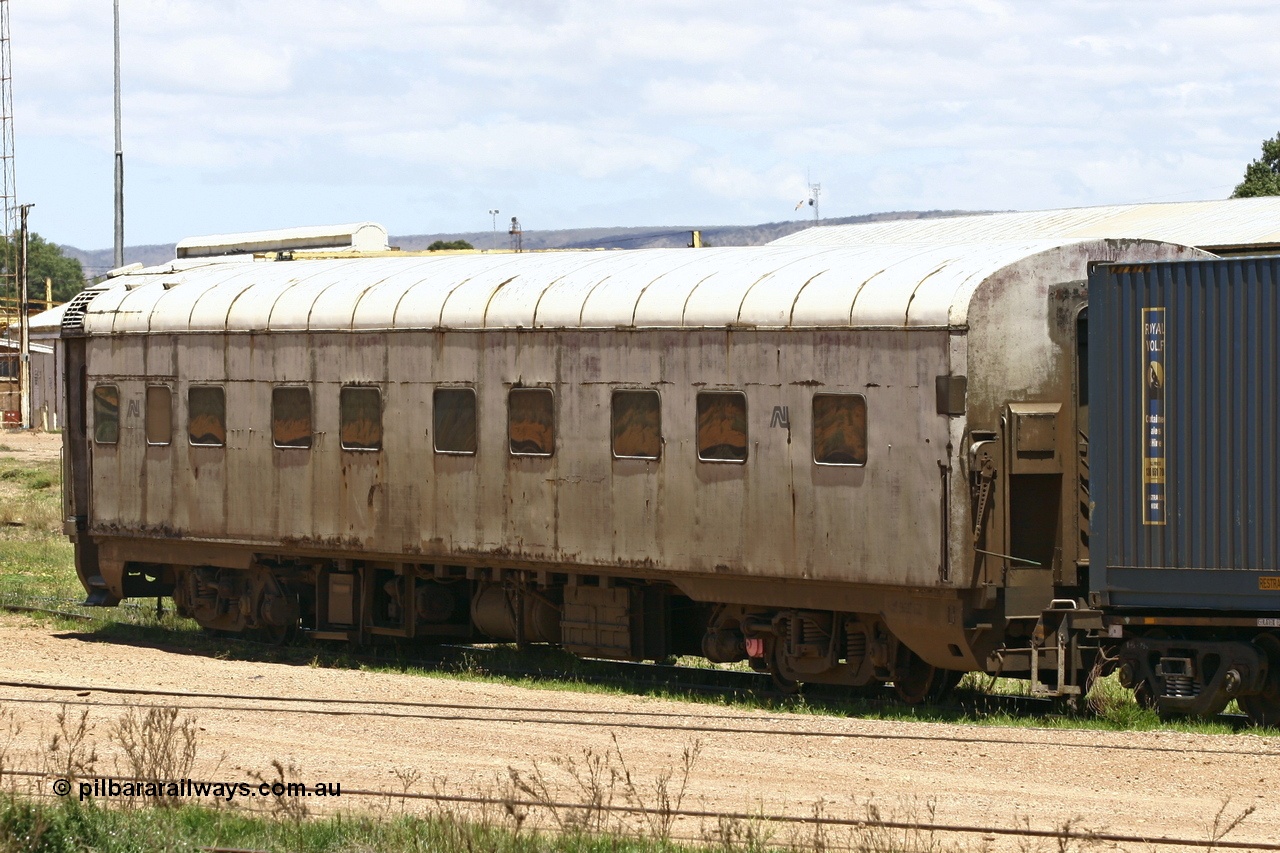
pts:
[46, 371]
[1239, 226]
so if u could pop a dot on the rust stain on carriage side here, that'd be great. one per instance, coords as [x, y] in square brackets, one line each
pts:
[323, 543]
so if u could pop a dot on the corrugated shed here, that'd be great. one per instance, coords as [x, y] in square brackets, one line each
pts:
[894, 286]
[1187, 488]
[1217, 226]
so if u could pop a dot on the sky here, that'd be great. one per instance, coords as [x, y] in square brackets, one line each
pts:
[424, 115]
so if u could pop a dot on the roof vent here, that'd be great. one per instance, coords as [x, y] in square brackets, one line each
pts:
[73, 316]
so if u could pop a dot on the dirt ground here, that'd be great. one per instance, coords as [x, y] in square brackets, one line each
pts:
[31, 445]
[1145, 784]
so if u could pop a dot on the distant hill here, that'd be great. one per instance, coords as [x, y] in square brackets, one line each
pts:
[98, 261]
[672, 236]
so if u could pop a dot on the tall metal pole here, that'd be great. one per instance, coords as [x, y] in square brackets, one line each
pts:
[119, 154]
[8, 182]
[24, 331]
[494, 213]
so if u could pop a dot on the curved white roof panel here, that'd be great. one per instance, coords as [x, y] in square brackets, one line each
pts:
[1234, 225]
[884, 286]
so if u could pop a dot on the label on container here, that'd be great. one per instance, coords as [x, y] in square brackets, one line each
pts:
[1269, 582]
[1153, 423]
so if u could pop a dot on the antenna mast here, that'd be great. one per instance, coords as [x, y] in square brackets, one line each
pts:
[9, 263]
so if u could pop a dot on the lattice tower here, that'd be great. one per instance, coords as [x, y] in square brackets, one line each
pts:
[8, 179]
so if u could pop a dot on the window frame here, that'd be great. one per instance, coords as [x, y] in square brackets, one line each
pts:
[311, 417]
[94, 399]
[222, 391]
[534, 389]
[435, 423]
[746, 415]
[382, 432]
[146, 421]
[613, 413]
[866, 429]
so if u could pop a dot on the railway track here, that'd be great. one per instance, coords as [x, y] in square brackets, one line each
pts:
[638, 677]
[696, 721]
[703, 721]
[812, 821]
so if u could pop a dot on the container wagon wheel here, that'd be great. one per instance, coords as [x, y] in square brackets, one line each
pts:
[1264, 708]
[1144, 692]
[1145, 695]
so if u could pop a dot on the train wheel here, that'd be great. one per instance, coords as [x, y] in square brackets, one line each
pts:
[921, 681]
[1264, 708]
[782, 683]
[276, 635]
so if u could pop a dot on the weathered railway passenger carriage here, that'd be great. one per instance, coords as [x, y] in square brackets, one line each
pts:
[853, 465]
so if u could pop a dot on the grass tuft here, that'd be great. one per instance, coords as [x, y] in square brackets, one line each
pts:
[30, 499]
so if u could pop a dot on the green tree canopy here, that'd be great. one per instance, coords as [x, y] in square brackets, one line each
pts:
[1262, 176]
[452, 244]
[45, 260]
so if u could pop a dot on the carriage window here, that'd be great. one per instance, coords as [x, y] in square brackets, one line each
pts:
[361, 418]
[207, 416]
[291, 417]
[840, 429]
[106, 414]
[455, 420]
[159, 414]
[637, 425]
[722, 426]
[531, 427]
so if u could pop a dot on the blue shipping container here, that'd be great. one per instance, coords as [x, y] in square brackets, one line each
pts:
[1184, 423]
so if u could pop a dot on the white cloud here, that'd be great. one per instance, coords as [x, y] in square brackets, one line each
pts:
[244, 108]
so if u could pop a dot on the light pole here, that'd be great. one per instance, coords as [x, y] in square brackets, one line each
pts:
[24, 326]
[119, 247]
[494, 213]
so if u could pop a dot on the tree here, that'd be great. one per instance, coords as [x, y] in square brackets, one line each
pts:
[45, 260]
[441, 245]
[1262, 176]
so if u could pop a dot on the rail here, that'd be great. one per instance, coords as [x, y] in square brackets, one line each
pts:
[1063, 834]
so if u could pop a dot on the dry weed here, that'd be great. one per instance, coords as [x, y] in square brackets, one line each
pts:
[283, 805]
[157, 745]
[407, 777]
[734, 835]
[587, 796]
[70, 754]
[12, 729]
[1223, 825]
